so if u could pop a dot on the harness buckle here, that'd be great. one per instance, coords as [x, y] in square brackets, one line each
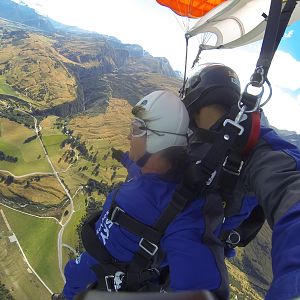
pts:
[233, 239]
[153, 248]
[109, 282]
[236, 124]
[230, 169]
[114, 215]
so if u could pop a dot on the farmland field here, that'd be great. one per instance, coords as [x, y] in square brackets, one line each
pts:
[38, 238]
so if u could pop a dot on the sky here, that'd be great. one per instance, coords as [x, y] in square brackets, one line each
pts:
[160, 32]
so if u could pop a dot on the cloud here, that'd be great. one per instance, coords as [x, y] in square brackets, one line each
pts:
[283, 111]
[288, 34]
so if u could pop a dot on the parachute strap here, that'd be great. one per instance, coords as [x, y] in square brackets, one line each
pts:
[201, 48]
[277, 22]
[181, 91]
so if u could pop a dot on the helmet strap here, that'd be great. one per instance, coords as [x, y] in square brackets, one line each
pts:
[143, 160]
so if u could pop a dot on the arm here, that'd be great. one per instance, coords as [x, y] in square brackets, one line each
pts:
[79, 275]
[195, 265]
[192, 264]
[274, 175]
[285, 257]
[132, 169]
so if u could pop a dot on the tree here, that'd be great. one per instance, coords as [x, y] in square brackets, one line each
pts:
[9, 180]
[4, 293]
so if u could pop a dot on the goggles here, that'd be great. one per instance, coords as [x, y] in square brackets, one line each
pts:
[139, 128]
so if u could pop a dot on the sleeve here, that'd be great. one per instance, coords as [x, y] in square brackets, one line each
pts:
[192, 264]
[132, 169]
[273, 174]
[79, 275]
[285, 257]
[232, 222]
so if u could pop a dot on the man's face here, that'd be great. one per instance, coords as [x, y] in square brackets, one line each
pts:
[137, 143]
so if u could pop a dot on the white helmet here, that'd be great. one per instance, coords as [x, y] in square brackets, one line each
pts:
[166, 120]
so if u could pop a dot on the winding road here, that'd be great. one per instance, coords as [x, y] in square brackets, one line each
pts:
[56, 174]
[37, 130]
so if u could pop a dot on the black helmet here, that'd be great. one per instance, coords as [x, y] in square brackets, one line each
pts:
[213, 84]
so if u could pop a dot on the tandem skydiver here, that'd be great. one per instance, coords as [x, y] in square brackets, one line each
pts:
[261, 171]
[141, 220]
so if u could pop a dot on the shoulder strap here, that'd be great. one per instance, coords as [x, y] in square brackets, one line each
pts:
[276, 24]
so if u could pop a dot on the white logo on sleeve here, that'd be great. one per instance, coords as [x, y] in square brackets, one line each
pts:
[103, 230]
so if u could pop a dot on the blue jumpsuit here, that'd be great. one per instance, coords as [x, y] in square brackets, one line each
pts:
[271, 178]
[272, 175]
[192, 265]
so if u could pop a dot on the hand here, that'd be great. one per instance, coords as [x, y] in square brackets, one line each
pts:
[116, 154]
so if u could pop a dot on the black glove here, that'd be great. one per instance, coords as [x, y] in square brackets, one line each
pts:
[117, 154]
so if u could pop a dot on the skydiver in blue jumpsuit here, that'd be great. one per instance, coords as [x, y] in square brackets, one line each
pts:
[270, 176]
[157, 144]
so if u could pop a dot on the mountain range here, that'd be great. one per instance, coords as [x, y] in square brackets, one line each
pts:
[65, 70]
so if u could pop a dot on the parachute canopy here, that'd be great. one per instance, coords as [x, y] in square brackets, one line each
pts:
[227, 24]
[191, 8]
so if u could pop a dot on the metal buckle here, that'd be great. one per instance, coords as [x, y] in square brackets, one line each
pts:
[155, 247]
[236, 173]
[108, 279]
[234, 123]
[115, 214]
[233, 238]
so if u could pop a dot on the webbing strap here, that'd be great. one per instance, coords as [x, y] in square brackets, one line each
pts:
[198, 176]
[226, 139]
[276, 25]
[180, 198]
[118, 216]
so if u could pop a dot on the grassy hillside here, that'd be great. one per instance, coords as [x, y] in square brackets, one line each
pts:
[18, 279]
[31, 66]
[30, 155]
[139, 84]
[38, 238]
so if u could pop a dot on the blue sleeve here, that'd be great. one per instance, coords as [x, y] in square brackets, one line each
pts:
[286, 257]
[192, 264]
[132, 169]
[249, 202]
[79, 275]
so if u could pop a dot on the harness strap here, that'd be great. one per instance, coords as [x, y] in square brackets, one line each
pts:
[118, 216]
[226, 139]
[276, 25]
[246, 232]
[180, 198]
